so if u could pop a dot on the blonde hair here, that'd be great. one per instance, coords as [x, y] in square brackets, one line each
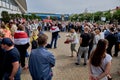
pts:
[35, 32]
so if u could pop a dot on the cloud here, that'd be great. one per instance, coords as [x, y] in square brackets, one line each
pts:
[70, 6]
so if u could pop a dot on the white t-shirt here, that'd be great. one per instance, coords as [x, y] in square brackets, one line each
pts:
[96, 71]
[97, 38]
[74, 37]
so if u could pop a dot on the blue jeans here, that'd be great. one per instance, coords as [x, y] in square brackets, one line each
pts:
[54, 39]
[16, 77]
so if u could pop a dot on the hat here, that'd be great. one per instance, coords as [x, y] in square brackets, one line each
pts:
[7, 41]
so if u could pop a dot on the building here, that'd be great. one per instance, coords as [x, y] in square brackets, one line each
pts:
[57, 16]
[114, 10]
[13, 6]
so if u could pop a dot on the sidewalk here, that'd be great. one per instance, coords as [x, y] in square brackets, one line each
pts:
[66, 69]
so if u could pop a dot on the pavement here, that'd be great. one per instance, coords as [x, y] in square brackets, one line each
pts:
[65, 68]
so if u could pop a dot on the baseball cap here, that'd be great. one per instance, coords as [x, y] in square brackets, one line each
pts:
[7, 41]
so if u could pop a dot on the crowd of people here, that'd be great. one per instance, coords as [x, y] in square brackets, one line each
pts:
[16, 36]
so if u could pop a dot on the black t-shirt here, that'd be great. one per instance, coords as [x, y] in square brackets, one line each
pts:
[111, 39]
[85, 39]
[11, 56]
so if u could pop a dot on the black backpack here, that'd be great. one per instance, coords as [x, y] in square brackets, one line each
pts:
[34, 44]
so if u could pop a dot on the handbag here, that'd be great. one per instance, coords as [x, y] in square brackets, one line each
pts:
[108, 76]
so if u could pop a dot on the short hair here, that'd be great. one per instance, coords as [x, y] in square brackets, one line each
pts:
[42, 39]
[20, 27]
[112, 29]
[86, 28]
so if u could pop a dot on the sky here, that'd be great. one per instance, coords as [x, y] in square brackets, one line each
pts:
[70, 6]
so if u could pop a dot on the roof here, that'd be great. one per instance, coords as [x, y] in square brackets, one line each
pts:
[22, 4]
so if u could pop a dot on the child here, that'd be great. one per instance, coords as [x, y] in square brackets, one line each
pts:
[33, 39]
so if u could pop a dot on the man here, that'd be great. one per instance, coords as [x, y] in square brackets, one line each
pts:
[111, 39]
[84, 46]
[11, 60]
[117, 43]
[1, 59]
[41, 61]
[55, 34]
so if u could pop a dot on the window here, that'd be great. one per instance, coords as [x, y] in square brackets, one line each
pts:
[3, 4]
[7, 5]
[0, 3]
[11, 6]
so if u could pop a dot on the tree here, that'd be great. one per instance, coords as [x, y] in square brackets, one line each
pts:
[97, 16]
[5, 16]
[54, 18]
[74, 17]
[12, 16]
[108, 15]
[116, 15]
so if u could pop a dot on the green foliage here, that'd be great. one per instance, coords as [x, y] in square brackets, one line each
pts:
[14, 16]
[108, 15]
[31, 16]
[5, 16]
[116, 15]
[97, 16]
[74, 17]
[53, 18]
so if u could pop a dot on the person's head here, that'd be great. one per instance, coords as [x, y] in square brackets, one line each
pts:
[99, 53]
[118, 29]
[112, 29]
[39, 28]
[35, 32]
[86, 29]
[72, 30]
[42, 40]
[6, 43]
[1, 34]
[97, 30]
[20, 27]
[3, 25]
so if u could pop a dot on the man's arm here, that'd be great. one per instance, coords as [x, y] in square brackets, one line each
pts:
[80, 40]
[14, 70]
[51, 59]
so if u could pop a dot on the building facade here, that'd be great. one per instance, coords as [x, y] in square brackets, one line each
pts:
[13, 6]
[57, 16]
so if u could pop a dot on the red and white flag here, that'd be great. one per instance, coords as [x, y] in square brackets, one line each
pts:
[21, 38]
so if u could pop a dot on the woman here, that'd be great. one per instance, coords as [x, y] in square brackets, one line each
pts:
[33, 39]
[74, 41]
[97, 37]
[6, 32]
[100, 62]
[21, 41]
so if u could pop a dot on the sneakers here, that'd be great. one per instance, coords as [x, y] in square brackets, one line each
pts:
[115, 55]
[84, 64]
[77, 63]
